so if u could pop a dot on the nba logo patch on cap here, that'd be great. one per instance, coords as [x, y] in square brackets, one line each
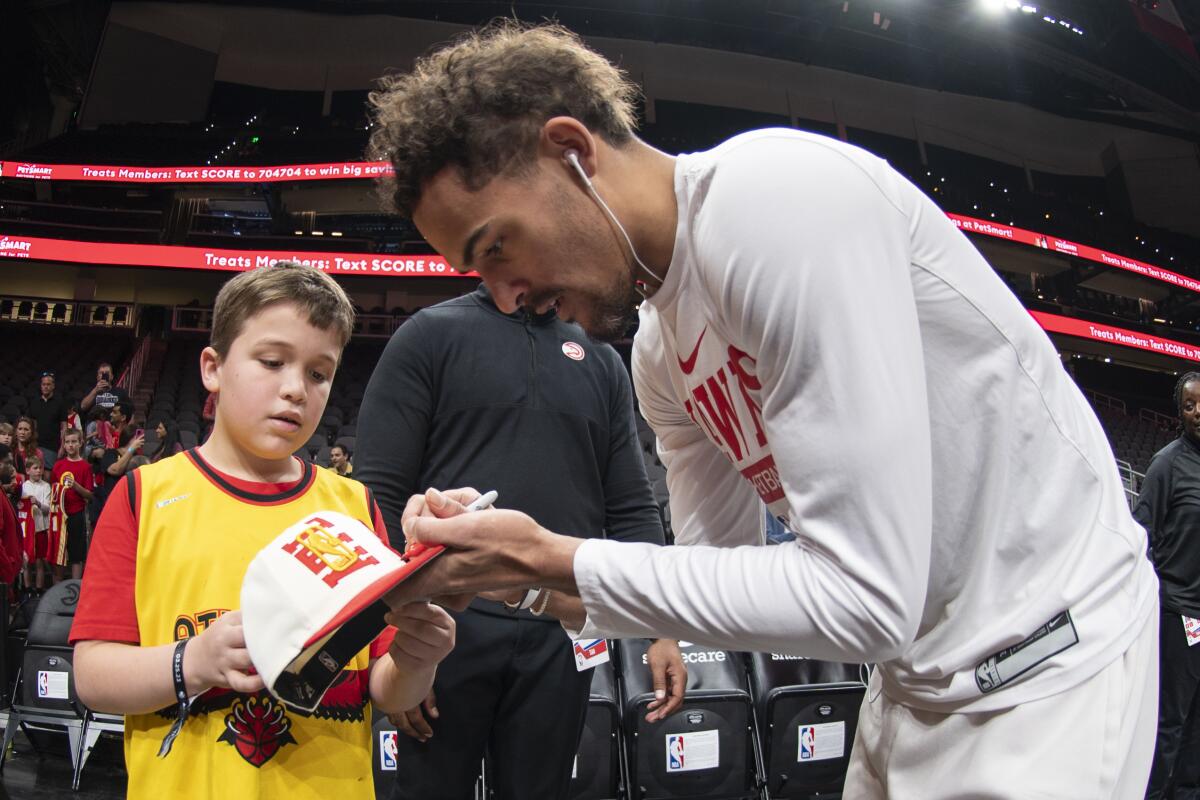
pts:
[311, 600]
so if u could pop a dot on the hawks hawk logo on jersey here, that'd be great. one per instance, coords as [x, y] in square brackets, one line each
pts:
[257, 727]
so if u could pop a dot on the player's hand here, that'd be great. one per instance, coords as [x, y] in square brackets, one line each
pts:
[438, 504]
[510, 596]
[218, 658]
[424, 636]
[487, 550]
[669, 676]
[413, 723]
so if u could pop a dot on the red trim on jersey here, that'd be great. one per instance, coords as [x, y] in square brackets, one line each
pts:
[255, 492]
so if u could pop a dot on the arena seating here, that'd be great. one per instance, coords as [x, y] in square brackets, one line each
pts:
[71, 356]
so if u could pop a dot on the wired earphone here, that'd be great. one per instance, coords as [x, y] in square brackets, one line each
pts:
[572, 158]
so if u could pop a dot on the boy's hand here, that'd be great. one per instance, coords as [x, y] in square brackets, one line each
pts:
[424, 636]
[413, 723]
[136, 443]
[218, 658]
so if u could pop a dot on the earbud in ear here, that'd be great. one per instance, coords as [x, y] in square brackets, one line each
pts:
[572, 158]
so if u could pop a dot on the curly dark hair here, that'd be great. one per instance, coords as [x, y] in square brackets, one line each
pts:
[1183, 381]
[479, 104]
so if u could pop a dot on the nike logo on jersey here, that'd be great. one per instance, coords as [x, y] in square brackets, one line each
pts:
[689, 364]
[169, 500]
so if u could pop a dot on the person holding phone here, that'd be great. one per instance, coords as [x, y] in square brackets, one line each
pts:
[115, 462]
[105, 394]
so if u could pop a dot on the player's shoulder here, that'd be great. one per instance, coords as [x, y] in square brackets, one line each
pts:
[776, 148]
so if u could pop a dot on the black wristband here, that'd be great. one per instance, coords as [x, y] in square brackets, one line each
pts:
[181, 699]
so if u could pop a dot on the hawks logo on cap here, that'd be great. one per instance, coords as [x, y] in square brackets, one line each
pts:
[328, 552]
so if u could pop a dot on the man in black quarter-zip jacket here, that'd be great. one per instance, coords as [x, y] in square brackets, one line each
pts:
[526, 404]
[1169, 509]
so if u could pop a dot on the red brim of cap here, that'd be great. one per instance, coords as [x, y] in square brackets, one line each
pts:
[376, 590]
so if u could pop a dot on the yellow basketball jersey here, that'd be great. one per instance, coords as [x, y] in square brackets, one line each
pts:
[197, 531]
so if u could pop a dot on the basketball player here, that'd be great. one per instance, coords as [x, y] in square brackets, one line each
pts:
[815, 333]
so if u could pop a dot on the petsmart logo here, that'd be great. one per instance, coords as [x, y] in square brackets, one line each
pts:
[33, 171]
[14, 248]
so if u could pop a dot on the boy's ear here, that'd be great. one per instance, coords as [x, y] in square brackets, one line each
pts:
[210, 360]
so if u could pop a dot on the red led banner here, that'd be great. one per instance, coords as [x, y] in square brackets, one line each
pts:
[352, 170]
[1056, 245]
[154, 255]
[231, 174]
[1054, 323]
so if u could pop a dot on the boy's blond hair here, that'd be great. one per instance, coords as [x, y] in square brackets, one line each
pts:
[318, 297]
[7, 428]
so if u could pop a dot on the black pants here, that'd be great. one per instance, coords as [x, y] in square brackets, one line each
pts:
[510, 686]
[1175, 771]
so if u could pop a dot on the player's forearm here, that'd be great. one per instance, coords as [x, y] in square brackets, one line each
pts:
[117, 678]
[394, 691]
[552, 562]
[567, 609]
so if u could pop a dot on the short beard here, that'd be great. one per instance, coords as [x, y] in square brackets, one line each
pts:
[614, 313]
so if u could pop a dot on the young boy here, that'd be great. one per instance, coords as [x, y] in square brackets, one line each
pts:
[174, 541]
[73, 484]
[34, 515]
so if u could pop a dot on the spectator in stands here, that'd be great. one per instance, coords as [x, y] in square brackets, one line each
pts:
[11, 555]
[76, 483]
[1169, 509]
[96, 435]
[116, 461]
[6, 434]
[120, 417]
[10, 479]
[105, 394]
[34, 515]
[339, 460]
[815, 333]
[74, 417]
[560, 444]
[50, 412]
[168, 440]
[27, 442]
[10, 486]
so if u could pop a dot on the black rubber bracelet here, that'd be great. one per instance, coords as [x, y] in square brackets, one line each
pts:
[181, 699]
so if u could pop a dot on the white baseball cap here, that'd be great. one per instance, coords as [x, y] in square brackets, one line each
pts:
[311, 600]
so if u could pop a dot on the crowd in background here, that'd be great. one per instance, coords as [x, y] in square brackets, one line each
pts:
[58, 463]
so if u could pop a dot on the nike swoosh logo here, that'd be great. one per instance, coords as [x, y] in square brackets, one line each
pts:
[689, 364]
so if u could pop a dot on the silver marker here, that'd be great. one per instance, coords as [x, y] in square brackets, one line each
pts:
[484, 500]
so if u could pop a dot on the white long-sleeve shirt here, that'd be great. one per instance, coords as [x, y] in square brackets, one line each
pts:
[827, 342]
